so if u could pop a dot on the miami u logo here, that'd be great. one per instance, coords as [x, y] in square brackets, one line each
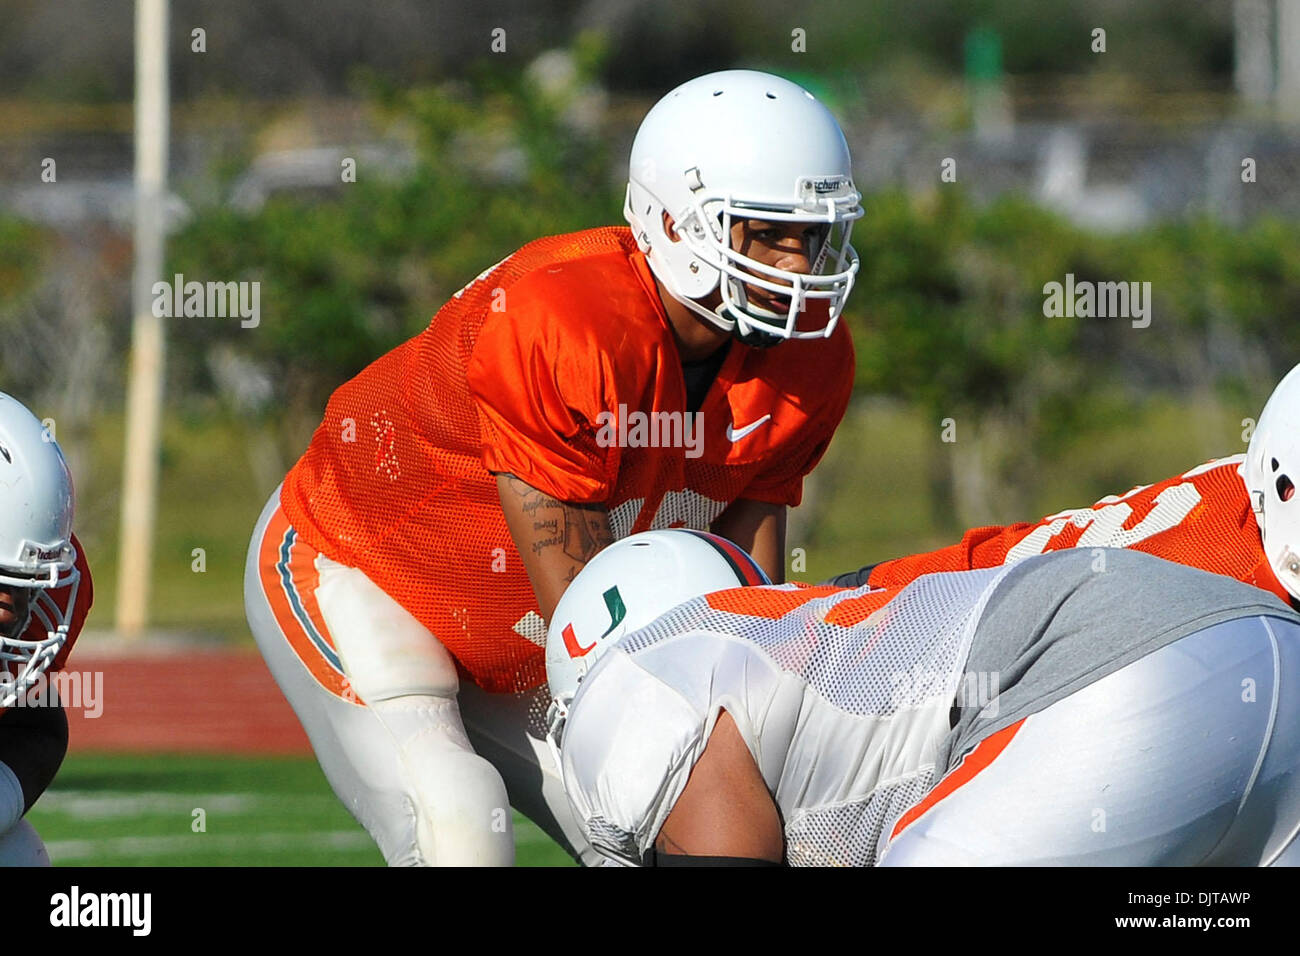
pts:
[617, 611]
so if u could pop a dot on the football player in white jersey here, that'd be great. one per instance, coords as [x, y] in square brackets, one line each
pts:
[1099, 707]
[44, 597]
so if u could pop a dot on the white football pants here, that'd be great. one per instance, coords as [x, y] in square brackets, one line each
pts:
[1188, 756]
[429, 766]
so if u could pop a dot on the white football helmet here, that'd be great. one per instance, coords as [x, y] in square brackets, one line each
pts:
[625, 587]
[1271, 472]
[744, 145]
[36, 552]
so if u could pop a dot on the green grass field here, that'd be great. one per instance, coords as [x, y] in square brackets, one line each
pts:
[140, 810]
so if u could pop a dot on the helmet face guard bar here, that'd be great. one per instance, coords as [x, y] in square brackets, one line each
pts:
[556, 716]
[22, 662]
[740, 270]
[55, 574]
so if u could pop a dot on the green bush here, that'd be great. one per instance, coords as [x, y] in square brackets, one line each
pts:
[22, 246]
[948, 313]
[344, 280]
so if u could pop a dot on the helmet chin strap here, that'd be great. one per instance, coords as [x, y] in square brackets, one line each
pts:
[754, 337]
[751, 335]
[726, 319]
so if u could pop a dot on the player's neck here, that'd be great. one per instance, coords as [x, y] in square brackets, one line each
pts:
[696, 339]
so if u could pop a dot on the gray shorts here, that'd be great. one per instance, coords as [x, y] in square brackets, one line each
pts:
[1187, 756]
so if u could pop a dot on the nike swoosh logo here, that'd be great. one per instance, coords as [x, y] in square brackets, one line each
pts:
[736, 434]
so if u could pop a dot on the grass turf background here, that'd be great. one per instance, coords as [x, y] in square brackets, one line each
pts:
[139, 810]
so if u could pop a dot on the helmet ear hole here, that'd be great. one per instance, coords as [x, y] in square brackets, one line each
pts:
[670, 226]
[1285, 488]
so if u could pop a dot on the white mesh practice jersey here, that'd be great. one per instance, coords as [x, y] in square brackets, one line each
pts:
[854, 703]
[842, 696]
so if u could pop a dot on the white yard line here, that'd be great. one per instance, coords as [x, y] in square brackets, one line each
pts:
[109, 804]
[62, 851]
[87, 805]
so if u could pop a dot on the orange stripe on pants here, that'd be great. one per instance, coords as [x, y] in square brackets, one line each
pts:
[984, 754]
[290, 579]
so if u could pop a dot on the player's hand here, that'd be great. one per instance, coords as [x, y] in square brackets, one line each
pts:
[851, 579]
[759, 528]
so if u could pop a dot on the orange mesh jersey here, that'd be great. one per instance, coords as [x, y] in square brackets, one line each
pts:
[1201, 518]
[776, 603]
[513, 375]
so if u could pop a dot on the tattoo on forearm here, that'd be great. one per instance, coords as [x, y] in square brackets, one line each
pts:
[585, 531]
[585, 527]
[544, 543]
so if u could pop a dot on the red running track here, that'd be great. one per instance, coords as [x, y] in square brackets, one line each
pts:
[184, 701]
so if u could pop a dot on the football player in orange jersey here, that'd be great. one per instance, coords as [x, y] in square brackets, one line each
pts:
[587, 387]
[1229, 516]
[45, 594]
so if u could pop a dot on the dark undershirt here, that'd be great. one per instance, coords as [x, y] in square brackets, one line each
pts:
[699, 376]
